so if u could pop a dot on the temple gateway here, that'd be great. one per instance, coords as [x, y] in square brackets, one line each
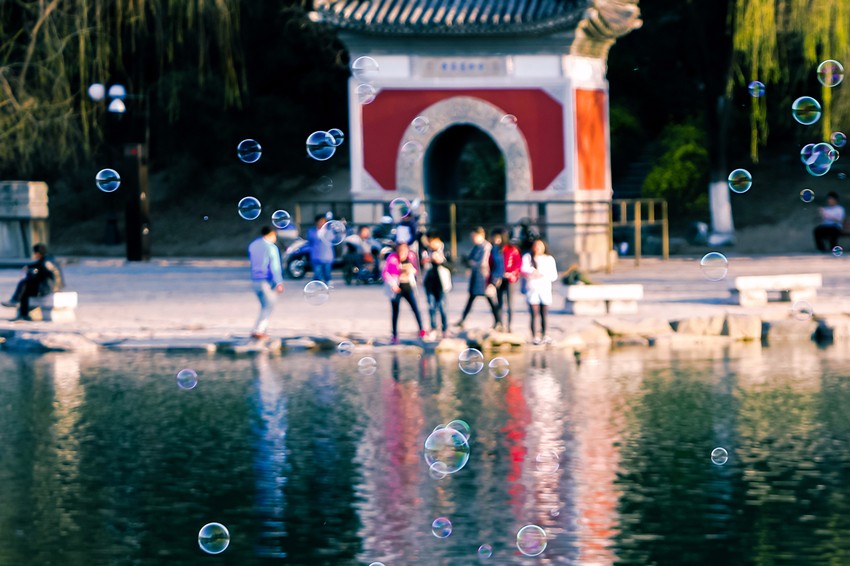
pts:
[523, 80]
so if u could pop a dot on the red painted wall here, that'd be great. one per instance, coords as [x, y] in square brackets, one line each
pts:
[539, 118]
[590, 139]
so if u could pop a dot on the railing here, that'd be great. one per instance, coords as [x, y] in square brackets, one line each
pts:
[454, 218]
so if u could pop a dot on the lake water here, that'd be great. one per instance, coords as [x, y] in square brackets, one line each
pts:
[105, 460]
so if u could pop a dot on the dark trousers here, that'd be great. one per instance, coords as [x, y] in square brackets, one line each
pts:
[22, 294]
[493, 307]
[408, 295]
[825, 232]
[538, 311]
[504, 300]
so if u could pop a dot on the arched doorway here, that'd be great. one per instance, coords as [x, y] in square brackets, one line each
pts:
[463, 163]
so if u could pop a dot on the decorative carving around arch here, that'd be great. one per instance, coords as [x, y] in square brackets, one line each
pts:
[455, 111]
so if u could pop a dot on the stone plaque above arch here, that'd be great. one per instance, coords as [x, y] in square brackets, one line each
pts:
[458, 111]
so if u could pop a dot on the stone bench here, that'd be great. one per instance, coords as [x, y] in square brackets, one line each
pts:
[752, 290]
[602, 299]
[56, 307]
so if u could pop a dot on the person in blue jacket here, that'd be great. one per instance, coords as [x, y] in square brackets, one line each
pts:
[266, 277]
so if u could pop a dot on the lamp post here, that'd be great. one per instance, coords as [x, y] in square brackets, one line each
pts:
[132, 163]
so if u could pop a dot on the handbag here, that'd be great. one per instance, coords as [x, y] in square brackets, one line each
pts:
[445, 278]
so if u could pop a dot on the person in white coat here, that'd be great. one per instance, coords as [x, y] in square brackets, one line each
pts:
[539, 271]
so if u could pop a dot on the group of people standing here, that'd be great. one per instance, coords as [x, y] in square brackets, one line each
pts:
[495, 265]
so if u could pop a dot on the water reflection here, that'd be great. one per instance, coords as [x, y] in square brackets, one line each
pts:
[106, 460]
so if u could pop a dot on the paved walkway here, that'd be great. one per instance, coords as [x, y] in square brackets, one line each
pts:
[211, 299]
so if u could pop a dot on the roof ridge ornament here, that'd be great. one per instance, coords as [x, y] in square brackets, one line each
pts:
[603, 24]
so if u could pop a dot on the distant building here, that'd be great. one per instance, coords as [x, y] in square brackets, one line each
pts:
[525, 79]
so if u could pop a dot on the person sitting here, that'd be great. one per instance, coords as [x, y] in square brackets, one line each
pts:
[42, 277]
[832, 223]
[574, 276]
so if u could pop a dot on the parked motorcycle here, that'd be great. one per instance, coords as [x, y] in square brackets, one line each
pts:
[297, 264]
[361, 266]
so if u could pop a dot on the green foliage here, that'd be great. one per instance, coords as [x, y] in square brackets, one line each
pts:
[627, 133]
[680, 175]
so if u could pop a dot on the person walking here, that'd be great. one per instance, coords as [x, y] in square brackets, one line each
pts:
[832, 223]
[479, 277]
[511, 264]
[437, 280]
[41, 277]
[539, 271]
[321, 250]
[266, 277]
[400, 283]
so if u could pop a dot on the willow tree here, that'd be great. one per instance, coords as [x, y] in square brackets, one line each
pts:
[51, 51]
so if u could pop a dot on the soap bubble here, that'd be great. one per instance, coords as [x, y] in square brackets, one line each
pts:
[337, 135]
[367, 366]
[802, 310]
[97, 91]
[377, 564]
[740, 181]
[187, 378]
[441, 527]
[470, 361]
[806, 153]
[412, 150]
[756, 89]
[107, 180]
[449, 447]
[499, 367]
[320, 146]
[508, 121]
[366, 93]
[462, 427]
[438, 470]
[842, 176]
[324, 185]
[333, 232]
[806, 110]
[830, 73]
[249, 151]
[249, 208]
[807, 195]
[345, 348]
[485, 551]
[365, 69]
[399, 208]
[531, 540]
[281, 219]
[547, 462]
[213, 538]
[837, 251]
[820, 160]
[833, 155]
[838, 139]
[719, 456]
[421, 124]
[714, 266]
[316, 293]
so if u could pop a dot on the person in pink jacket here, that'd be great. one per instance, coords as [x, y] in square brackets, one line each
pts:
[400, 283]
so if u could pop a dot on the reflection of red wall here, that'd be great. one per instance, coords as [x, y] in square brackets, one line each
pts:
[590, 138]
[539, 118]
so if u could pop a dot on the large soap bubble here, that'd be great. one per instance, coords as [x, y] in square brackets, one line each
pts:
[449, 447]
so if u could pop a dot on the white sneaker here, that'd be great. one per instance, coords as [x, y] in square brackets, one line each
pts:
[536, 341]
[547, 340]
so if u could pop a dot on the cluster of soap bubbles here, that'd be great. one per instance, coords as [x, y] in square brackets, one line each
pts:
[322, 145]
[365, 71]
[819, 157]
[367, 365]
[447, 449]
[471, 362]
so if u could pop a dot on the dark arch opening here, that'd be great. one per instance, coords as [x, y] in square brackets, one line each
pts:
[464, 164]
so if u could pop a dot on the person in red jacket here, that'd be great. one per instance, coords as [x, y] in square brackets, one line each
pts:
[512, 261]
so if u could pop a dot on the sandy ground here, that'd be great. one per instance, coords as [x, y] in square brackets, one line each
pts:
[192, 299]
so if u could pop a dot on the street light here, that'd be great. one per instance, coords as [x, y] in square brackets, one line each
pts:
[133, 165]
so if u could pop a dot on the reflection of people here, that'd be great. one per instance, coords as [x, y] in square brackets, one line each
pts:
[436, 284]
[538, 267]
[266, 277]
[479, 265]
[832, 223]
[400, 279]
[321, 250]
[42, 277]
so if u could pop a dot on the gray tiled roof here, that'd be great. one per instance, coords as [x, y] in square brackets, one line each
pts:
[462, 17]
